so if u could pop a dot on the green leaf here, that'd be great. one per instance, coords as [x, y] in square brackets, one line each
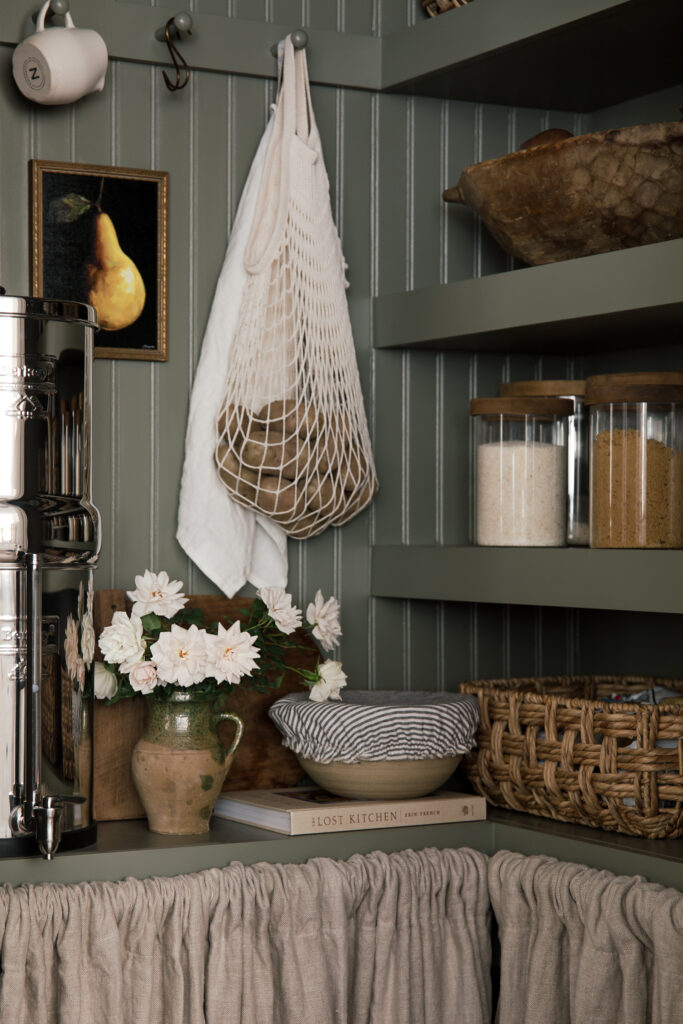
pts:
[257, 610]
[224, 690]
[151, 623]
[312, 677]
[191, 616]
[125, 690]
[68, 209]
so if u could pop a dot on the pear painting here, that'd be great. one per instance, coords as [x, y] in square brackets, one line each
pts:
[101, 238]
[115, 285]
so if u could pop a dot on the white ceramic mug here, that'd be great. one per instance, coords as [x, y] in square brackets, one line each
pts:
[60, 64]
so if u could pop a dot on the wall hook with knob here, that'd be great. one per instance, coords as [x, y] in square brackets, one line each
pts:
[299, 41]
[173, 29]
[56, 7]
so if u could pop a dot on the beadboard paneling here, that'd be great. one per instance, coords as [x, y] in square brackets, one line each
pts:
[388, 158]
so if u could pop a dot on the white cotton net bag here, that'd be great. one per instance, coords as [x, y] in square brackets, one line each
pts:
[292, 436]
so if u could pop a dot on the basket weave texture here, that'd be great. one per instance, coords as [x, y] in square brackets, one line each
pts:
[434, 7]
[549, 746]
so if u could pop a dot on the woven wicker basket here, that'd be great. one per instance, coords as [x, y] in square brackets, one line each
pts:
[549, 746]
[434, 7]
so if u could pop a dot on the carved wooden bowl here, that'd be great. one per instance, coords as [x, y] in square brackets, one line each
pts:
[382, 780]
[587, 194]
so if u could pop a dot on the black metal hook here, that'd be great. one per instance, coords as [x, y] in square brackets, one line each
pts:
[174, 26]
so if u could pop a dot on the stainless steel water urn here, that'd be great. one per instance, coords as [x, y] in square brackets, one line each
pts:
[49, 542]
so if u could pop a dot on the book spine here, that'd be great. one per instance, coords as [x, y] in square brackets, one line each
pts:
[306, 822]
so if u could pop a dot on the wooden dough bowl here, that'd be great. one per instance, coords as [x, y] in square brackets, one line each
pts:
[588, 194]
[382, 780]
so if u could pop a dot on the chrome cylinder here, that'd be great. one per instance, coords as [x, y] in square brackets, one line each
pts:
[49, 542]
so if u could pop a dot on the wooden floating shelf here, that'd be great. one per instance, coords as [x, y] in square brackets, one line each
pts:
[618, 580]
[616, 300]
[580, 56]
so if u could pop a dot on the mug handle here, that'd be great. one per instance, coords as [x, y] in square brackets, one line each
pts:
[42, 14]
[224, 716]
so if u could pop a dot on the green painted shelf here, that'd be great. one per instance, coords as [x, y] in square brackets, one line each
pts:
[619, 580]
[615, 300]
[577, 56]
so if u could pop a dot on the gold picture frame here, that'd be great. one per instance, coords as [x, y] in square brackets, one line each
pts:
[88, 224]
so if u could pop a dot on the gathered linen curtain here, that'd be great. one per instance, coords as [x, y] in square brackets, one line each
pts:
[580, 946]
[397, 938]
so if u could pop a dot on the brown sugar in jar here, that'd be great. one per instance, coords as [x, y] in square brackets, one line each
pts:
[636, 460]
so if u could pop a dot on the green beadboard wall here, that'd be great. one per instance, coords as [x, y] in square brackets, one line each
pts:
[388, 158]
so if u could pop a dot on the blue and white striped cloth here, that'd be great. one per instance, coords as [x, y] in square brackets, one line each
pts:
[374, 725]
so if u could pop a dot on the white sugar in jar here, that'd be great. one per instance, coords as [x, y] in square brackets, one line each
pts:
[521, 471]
[577, 446]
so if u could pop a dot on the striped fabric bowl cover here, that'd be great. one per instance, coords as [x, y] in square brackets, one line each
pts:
[373, 725]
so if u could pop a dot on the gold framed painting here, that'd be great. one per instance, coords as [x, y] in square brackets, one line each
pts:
[100, 235]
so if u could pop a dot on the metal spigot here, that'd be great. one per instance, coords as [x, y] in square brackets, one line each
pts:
[48, 822]
[41, 818]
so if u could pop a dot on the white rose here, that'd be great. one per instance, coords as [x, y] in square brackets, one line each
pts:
[71, 655]
[332, 680]
[180, 655]
[156, 593]
[324, 617]
[122, 643]
[143, 677]
[231, 654]
[87, 640]
[80, 673]
[105, 683]
[278, 602]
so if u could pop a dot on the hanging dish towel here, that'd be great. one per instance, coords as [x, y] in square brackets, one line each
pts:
[231, 545]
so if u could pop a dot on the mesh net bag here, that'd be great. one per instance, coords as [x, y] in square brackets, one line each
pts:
[292, 436]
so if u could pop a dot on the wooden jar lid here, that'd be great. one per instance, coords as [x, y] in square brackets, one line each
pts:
[544, 388]
[521, 406]
[658, 386]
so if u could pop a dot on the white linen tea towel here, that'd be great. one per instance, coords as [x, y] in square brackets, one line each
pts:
[231, 545]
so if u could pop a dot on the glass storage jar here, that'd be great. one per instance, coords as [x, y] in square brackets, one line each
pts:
[521, 471]
[577, 446]
[636, 460]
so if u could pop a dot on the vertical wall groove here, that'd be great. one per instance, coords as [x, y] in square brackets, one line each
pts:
[192, 354]
[115, 482]
[405, 447]
[443, 184]
[114, 436]
[153, 368]
[478, 145]
[410, 195]
[439, 449]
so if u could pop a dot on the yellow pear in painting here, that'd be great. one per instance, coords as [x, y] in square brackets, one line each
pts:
[115, 286]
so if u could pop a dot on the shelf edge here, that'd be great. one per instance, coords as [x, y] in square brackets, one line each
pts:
[620, 580]
[557, 298]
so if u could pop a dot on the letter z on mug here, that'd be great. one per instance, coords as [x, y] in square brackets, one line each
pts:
[60, 64]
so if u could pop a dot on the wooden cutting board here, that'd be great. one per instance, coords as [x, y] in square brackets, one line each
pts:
[261, 762]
